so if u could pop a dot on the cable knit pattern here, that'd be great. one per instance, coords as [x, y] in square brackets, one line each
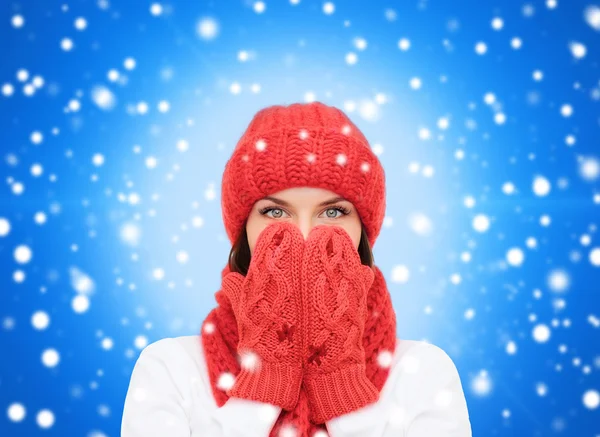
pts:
[334, 289]
[266, 304]
[314, 145]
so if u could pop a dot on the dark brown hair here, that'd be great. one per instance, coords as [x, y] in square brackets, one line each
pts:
[239, 256]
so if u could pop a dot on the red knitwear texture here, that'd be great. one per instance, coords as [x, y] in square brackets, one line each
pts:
[267, 307]
[334, 292]
[302, 145]
[280, 317]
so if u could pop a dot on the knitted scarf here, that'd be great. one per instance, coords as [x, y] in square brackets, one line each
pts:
[219, 339]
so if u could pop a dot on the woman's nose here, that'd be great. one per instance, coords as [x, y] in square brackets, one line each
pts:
[304, 228]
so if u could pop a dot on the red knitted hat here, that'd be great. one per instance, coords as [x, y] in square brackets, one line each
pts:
[302, 144]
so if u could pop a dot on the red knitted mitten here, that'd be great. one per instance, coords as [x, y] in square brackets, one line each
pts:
[334, 293]
[266, 304]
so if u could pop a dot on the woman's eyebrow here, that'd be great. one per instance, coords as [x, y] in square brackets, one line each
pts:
[284, 203]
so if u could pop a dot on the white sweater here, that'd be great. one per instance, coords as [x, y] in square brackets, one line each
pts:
[170, 395]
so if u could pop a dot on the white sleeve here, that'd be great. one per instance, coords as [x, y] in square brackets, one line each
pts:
[153, 404]
[423, 397]
[245, 418]
[441, 408]
[159, 400]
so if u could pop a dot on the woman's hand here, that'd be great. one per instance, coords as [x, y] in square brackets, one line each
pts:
[334, 292]
[267, 307]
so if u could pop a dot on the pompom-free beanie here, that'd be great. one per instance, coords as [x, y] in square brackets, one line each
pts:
[312, 145]
[303, 144]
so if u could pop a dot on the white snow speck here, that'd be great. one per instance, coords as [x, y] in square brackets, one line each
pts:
[19, 276]
[130, 233]
[36, 137]
[158, 274]
[594, 256]
[404, 44]
[481, 223]
[360, 43]
[545, 220]
[66, 44]
[182, 257]
[400, 274]
[142, 108]
[482, 384]
[541, 389]
[415, 83]
[250, 361]
[207, 28]
[8, 90]
[140, 342]
[592, 17]
[17, 21]
[40, 320]
[129, 63]
[443, 123]
[45, 419]
[541, 333]
[103, 97]
[328, 8]
[497, 23]
[578, 50]
[107, 343]
[420, 224]
[541, 186]
[235, 88]
[511, 348]
[50, 357]
[508, 188]
[156, 9]
[209, 328]
[558, 280]
[481, 48]
[225, 381]
[424, 134]
[589, 168]
[36, 170]
[4, 227]
[500, 118]
[385, 358]
[515, 257]
[591, 399]
[22, 254]
[80, 303]
[98, 159]
[80, 23]
[259, 7]
[22, 75]
[16, 412]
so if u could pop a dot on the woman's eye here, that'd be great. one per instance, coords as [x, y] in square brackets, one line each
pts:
[334, 212]
[277, 212]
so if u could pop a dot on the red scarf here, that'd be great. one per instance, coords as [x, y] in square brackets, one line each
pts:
[219, 339]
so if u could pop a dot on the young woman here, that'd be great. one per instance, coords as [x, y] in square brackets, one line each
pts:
[303, 340]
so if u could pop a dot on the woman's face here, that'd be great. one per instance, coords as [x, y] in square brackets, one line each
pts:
[306, 207]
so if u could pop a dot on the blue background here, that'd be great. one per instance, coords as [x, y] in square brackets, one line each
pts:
[471, 306]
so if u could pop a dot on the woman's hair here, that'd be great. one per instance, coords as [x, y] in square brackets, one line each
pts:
[239, 256]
